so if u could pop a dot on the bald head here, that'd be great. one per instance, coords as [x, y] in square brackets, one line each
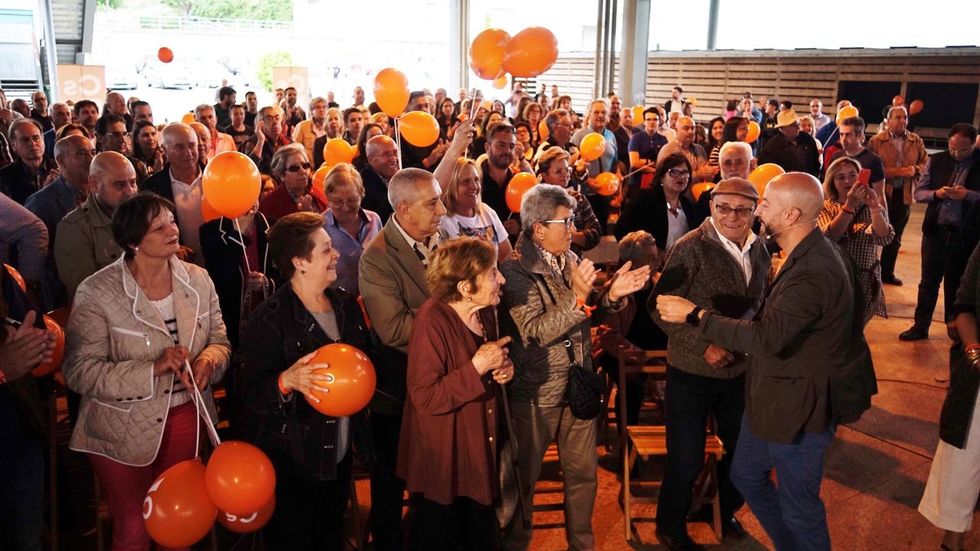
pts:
[74, 155]
[113, 178]
[796, 190]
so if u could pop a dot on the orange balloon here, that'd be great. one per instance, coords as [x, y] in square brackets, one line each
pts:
[337, 150]
[207, 211]
[15, 275]
[638, 114]
[762, 174]
[607, 183]
[419, 128]
[516, 188]
[846, 113]
[391, 91]
[187, 118]
[500, 82]
[543, 133]
[320, 177]
[177, 510]
[698, 189]
[592, 147]
[240, 478]
[530, 52]
[898, 100]
[916, 107]
[352, 380]
[754, 131]
[245, 524]
[60, 315]
[58, 356]
[487, 53]
[231, 183]
[165, 54]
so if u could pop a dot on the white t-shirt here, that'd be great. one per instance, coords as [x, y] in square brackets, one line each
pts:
[486, 225]
[187, 199]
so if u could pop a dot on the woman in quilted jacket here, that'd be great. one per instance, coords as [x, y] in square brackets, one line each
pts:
[143, 332]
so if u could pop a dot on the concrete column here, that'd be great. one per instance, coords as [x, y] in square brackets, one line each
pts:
[633, 57]
[459, 43]
[712, 24]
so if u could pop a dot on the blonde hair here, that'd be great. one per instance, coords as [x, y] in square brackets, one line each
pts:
[450, 195]
[548, 156]
[343, 174]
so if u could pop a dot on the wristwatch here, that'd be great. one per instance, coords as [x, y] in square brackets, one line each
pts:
[693, 318]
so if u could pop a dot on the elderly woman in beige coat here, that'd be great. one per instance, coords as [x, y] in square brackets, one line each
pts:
[134, 325]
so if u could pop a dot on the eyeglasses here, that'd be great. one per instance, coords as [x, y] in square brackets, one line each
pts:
[297, 168]
[679, 173]
[350, 203]
[568, 222]
[741, 212]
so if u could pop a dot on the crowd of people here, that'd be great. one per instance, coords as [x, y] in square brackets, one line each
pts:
[469, 308]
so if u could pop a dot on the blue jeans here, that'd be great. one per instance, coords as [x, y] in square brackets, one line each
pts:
[792, 513]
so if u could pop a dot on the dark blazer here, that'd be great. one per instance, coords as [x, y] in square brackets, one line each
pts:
[19, 182]
[392, 283]
[941, 166]
[297, 438]
[648, 211]
[779, 150]
[221, 246]
[375, 194]
[810, 365]
[160, 184]
[964, 380]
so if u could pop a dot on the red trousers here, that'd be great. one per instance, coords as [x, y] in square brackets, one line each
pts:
[125, 486]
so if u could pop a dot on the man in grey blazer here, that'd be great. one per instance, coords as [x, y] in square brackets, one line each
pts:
[810, 366]
[391, 277]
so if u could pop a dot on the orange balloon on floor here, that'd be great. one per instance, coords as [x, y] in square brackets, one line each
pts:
[419, 128]
[246, 524]
[592, 147]
[762, 174]
[516, 188]
[391, 91]
[165, 54]
[530, 52]
[916, 107]
[487, 53]
[698, 189]
[846, 113]
[15, 275]
[754, 131]
[231, 183]
[240, 478]
[177, 510]
[352, 380]
[607, 184]
[337, 150]
[58, 355]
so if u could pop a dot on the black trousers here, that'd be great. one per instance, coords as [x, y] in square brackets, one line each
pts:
[386, 488]
[465, 525]
[898, 215]
[310, 513]
[688, 401]
[936, 248]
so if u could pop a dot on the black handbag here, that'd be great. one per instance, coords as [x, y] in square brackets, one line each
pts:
[586, 389]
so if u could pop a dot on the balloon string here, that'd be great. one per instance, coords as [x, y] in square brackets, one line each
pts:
[202, 408]
[474, 104]
[241, 238]
[398, 142]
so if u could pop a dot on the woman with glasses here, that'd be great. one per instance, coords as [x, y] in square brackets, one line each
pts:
[854, 216]
[467, 215]
[553, 168]
[349, 226]
[666, 210]
[547, 303]
[294, 193]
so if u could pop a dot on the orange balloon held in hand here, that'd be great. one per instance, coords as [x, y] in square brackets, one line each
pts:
[762, 174]
[419, 128]
[187, 118]
[165, 54]
[698, 189]
[337, 150]
[516, 188]
[231, 183]
[846, 113]
[500, 82]
[898, 100]
[351, 380]
[530, 52]
[638, 114]
[15, 275]
[57, 355]
[320, 177]
[607, 184]
[240, 478]
[754, 131]
[543, 132]
[592, 147]
[207, 211]
[177, 510]
[391, 91]
[487, 53]
[916, 107]
[246, 524]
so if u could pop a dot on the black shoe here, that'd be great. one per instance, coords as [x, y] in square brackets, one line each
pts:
[915, 333]
[731, 527]
[891, 280]
[681, 542]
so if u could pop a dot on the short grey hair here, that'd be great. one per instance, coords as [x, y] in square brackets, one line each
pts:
[203, 108]
[894, 107]
[278, 164]
[403, 187]
[540, 203]
[635, 246]
[24, 121]
[741, 147]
